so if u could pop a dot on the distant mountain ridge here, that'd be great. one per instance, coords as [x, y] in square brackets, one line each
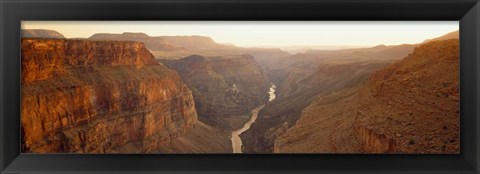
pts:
[41, 33]
[164, 43]
[195, 42]
[152, 43]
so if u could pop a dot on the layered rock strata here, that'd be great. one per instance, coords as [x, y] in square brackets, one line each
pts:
[99, 97]
[411, 106]
[225, 88]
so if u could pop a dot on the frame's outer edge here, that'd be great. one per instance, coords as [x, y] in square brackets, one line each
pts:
[3, 164]
[471, 67]
[2, 122]
[476, 54]
[477, 8]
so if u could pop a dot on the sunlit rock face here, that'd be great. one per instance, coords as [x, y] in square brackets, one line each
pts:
[224, 87]
[99, 97]
[411, 106]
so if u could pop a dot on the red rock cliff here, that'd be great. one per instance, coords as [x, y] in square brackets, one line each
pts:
[99, 97]
[411, 106]
[46, 58]
[224, 87]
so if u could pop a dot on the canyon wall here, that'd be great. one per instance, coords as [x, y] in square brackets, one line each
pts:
[411, 106]
[296, 92]
[99, 97]
[225, 88]
[201, 139]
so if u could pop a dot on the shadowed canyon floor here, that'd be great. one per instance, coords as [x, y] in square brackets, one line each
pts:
[236, 140]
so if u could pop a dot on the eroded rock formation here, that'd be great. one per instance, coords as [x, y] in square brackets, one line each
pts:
[98, 97]
[411, 106]
[225, 88]
[414, 104]
[296, 93]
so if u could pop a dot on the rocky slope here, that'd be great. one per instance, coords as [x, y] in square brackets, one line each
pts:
[201, 139]
[300, 77]
[297, 92]
[290, 71]
[411, 106]
[41, 33]
[225, 88]
[302, 65]
[451, 35]
[99, 97]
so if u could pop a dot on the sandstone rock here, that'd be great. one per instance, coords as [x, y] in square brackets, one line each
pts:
[224, 88]
[47, 58]
[129, 103]
[373, 133]
[298, 93]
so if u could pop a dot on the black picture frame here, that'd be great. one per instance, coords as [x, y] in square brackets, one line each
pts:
[14, 11]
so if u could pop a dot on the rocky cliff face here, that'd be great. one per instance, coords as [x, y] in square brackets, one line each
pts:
[99, 97]
[47, 58]
[284, 68]
[201, 139]
[297, 92]
[411, 106]
[225, 88]
[414, 104]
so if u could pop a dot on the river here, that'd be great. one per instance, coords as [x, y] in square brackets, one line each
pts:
[236, 140]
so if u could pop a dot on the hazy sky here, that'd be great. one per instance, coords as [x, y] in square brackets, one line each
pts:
[262, 33]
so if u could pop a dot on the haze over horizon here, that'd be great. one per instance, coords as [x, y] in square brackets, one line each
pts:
[329, 34]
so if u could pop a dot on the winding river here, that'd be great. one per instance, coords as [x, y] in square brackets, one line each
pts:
[236, 140]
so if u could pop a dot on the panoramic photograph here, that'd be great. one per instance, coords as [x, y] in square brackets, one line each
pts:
[232, 87]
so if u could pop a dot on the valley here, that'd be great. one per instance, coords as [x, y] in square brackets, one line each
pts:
[380, 115]
[236, 140]
[137, 93]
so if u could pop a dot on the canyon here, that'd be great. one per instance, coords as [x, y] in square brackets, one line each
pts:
[225, 88]
[236, 85]
[306, 76]
[236, 140]
[380, 117]
[302, 76]
[296, 93]
[135, 93]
